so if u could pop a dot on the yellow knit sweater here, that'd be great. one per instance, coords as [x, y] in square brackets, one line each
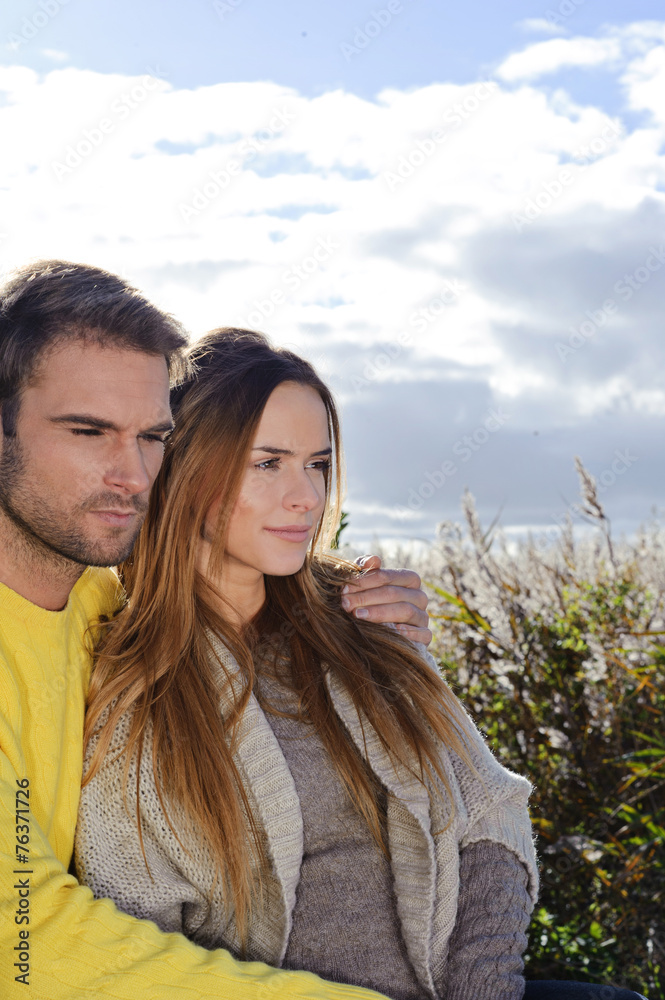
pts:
[56, 941]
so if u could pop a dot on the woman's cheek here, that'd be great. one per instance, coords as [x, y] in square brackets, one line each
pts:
[253, 505]
[255, 491]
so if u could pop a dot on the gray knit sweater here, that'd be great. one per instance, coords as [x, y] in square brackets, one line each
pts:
[425, 871]
[345, 923]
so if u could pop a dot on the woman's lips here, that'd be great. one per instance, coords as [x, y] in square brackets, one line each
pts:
[297, 533]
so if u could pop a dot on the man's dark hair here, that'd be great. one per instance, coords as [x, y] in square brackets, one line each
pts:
[54, 300]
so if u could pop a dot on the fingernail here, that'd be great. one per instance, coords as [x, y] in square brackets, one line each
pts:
[346, 603]
[345, 589]
[362, 613]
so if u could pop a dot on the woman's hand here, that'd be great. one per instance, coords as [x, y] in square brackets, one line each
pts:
[389, 595]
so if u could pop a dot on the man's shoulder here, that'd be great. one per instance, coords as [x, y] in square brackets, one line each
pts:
[99, 592]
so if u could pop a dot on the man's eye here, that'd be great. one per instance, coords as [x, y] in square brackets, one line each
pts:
[155, 437]
[86, 431]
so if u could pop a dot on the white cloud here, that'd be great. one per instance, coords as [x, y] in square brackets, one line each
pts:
[540, 25]
[428, 304]
[545, 58]
[56, 55]
[644, 80]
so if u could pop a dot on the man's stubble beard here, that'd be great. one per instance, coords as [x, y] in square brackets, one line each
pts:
[52, 536]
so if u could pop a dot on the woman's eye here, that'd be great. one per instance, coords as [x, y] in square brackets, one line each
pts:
[270, 463]
[321, 466]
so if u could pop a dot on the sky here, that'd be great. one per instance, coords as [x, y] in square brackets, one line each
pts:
[458, 214]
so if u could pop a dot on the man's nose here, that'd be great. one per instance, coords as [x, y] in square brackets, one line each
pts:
[128, 471]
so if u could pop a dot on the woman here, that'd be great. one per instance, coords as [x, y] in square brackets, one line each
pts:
[265, 774]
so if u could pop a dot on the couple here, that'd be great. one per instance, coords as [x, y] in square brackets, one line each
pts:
[264, 773]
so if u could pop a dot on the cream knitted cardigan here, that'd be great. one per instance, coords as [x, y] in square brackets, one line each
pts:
[179, 895]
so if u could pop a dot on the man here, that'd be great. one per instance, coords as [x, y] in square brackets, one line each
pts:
[84, 408]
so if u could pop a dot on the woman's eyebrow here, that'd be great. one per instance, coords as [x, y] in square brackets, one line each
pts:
[285, 451]
[273, 451]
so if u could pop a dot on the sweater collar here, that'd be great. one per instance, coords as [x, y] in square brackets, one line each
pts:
[261, 762]
[274, 799]
[36, 617]
[412, 851]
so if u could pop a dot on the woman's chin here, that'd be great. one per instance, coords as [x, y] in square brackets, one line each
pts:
[284, 567]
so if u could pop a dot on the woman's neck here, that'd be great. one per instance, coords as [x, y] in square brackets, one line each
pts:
[239, 593]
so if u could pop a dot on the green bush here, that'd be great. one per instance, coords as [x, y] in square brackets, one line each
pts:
[558, 651]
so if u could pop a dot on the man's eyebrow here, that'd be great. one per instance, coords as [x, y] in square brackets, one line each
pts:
[285, 451]
[106, 425]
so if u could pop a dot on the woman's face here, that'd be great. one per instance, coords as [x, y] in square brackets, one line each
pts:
[283, 491]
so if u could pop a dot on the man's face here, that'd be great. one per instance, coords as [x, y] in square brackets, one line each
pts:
[89, 442]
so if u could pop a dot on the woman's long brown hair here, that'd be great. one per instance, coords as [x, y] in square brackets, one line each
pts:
[156, 661]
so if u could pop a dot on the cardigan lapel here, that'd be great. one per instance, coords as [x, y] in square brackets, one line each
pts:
[410, 839]
[275, 802]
